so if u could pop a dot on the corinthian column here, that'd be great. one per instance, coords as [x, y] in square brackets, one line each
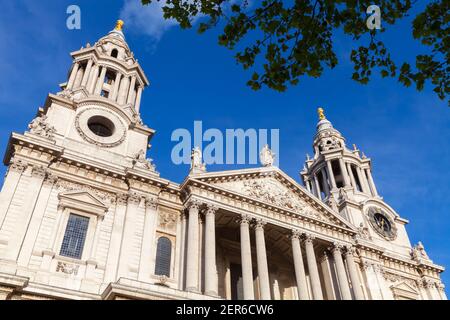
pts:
[312, 267]
[192, 248]
[131, 89]
[210, 252]
[300, 274]
[246, 259]
[341, 274]
[331, 175]
[261, 257]
[73, 74]
[98, 88]
[353, 272]
[87, 73]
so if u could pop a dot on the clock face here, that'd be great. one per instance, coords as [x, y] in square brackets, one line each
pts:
[382, 223]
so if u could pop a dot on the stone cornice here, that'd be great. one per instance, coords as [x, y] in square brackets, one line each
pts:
[98, 57]
[29, 141]
[206, 181]
[322, 230]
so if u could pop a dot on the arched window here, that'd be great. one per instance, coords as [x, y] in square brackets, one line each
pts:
[114, 53]
[163, 255]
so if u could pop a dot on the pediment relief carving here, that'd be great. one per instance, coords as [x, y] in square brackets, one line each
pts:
[272, 191]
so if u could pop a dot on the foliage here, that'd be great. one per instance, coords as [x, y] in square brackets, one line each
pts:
[282, 41]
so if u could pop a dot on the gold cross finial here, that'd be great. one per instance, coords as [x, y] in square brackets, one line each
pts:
[119, 25]
[321, 113]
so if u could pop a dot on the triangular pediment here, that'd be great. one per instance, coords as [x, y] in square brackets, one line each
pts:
[81, 199]
[403, 290]
[404, 286]
[273, 187]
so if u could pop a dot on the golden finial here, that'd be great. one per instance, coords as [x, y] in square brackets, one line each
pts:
[321, 113]
[119, 25]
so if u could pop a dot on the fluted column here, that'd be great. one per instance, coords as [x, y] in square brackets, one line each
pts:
[115, 90]
[352, 178]
[326, 189]
[73, 74]
[362, 180]
[93, 79]
[146, 263]
[331, 175]
[11, 180]
[300, 274]
[131, 89]
[210, 252]
[344, 172]
[87, 72]
[192, 261]
[312, 267]
[353, 272]
[137, 102]
[307, 185]
[341, 274]
[100, 81]
[261, 257]
[371, 183]
[123, 90]
[316, 182]
[246, 258]
[19, 225]
[78, 78]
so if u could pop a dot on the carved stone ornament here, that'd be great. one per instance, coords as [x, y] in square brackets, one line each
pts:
[140, 161]
[197, 165]
[40, 127]
[418, 252]
[211, 209]
[271, 192]
[67, 94]
[151, 203]
[64, 185]
[296, 234]
[67, 268]
[17, 165]
[363, 232]
[259, 224]
[81, 124]
[167, 220]
[266, 156]
[329, 143]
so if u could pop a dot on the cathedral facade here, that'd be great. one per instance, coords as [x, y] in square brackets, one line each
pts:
[85, 215]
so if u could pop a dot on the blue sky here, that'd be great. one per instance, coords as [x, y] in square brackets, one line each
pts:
[405, 132]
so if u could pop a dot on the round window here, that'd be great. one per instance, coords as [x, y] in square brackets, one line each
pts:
[101, 126]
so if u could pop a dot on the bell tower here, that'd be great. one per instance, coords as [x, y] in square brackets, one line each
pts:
[97, 112]
[337, 172]
[342, 178]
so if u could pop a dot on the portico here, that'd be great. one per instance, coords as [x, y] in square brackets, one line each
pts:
[255, 251]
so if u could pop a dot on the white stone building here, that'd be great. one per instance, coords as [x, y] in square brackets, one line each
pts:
[84, 214]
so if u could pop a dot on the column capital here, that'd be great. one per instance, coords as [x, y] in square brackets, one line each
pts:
[211, 209]
[349, 251]
[337, 247]
[194, 204]
[151, 202]
[121, 198]
[50, 179]
[38, 171]
[134, 198]
[308, 238]
[245, 219]
[259, 224]
[296, 234]
[18, 165]
[324, 257]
